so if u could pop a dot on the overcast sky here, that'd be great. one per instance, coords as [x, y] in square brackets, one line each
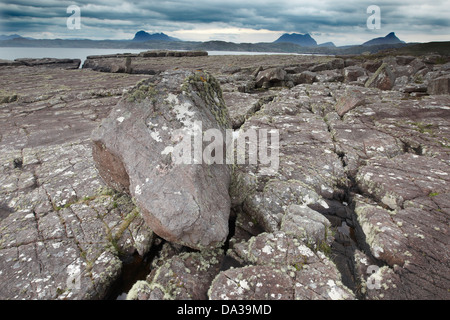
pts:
[342, 22]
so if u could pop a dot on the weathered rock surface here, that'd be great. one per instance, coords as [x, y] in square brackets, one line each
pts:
[306, 224]
[352, 73]
[51, 63]
[270, 78]
[337, 63]
[137, 148]
[308, 167]
[407, 225]
[383, 78]
[242, 106]
[358, 124]
[186, 276]
[304, 77]
[284, 269]
[352, 98]
[374, 164]
[48, 63]
[62, 232]
[440, 85]
[146, 63]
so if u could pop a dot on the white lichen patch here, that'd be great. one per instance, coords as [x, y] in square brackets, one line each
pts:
[305, 251]
[438, 172]
[390, 201]
[155, 136]
[244, 285]
[167, 150]
[377, 250]
[367, 176]
[138, 190]
[267, 249]
[335, 293]
[181, 110]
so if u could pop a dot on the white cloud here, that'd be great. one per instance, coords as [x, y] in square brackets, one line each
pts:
[226, 33]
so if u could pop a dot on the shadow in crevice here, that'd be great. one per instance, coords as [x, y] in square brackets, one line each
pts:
[134, 268]
[5, 211]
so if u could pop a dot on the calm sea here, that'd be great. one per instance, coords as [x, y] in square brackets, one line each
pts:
[82, 53]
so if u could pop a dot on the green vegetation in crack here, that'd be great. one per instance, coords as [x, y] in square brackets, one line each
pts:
[142, 91]
[208, 88]
[423, 127]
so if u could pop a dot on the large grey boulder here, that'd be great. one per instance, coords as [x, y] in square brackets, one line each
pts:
[138, 149]
[304, 77]
[270, 78]
[352, 73]
[440, 85]
[383, 78]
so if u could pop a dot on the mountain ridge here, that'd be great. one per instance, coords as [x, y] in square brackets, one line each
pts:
[145, 36]
[391, 38]
[217, 45]
[304, 40]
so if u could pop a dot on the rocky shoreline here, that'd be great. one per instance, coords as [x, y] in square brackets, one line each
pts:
[358, 207]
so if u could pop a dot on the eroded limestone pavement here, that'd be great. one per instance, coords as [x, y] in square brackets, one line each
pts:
[358, 207]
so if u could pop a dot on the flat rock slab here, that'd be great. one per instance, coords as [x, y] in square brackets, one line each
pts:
[284, 268]
[407, 225]
[308, 170]
[55, 106]
[135, 149]
[51, 63]
[145, 63]
[62, 232]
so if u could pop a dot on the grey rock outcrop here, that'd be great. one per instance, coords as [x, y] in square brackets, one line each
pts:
[383, 78]
[243, 105]
[136, 63]
[352, 73]
[307, 77]
[270, 78]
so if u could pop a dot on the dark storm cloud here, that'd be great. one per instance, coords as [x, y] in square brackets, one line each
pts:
[104, 18]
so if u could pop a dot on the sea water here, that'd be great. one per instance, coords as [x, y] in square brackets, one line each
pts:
[11, 53]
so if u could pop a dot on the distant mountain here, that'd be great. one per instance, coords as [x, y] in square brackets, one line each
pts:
[327, 44]
[143, 40]
[145, 36]
[304, 40]
[391, 38]
[10, 37]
